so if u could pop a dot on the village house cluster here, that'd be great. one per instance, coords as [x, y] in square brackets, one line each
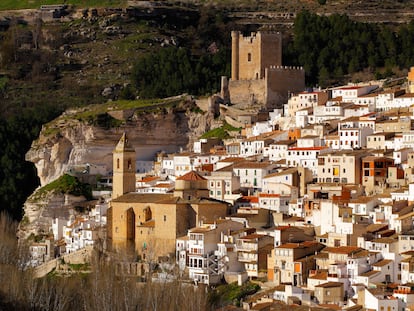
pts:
[323, 209]
[316, 196]
[71, 235]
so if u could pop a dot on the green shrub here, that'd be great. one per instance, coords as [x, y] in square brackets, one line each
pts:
[220, 132]
[231, 293]
[68, 184]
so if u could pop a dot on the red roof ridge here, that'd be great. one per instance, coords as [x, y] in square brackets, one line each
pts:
[191, 176]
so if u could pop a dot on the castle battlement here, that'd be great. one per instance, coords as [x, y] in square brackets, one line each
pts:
[286, 68]
[254, 35]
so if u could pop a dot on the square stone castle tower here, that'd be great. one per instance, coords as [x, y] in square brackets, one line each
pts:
[257, 73]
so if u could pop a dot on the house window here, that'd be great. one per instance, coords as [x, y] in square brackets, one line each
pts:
[165, 217]
[249, 57]
[117, 163]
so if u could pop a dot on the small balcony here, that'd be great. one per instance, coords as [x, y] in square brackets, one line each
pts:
[246, 247]
[247, 258]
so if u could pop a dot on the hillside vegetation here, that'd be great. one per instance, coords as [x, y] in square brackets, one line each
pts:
[66, 184]
[332, 47]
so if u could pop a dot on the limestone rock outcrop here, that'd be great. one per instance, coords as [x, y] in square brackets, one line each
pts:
[70, 141]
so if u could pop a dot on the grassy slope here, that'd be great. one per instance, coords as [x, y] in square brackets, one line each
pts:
[35, 4]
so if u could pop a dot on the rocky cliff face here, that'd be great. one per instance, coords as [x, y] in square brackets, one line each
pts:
[68, 142]
[39, 213]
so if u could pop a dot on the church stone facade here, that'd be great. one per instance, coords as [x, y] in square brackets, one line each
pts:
[150, 223]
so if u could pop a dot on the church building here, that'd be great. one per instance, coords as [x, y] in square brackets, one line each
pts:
[150, 223]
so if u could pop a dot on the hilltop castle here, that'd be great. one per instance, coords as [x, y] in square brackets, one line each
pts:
[257, 73]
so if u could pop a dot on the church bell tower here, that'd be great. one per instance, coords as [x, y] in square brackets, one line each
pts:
[123, 168]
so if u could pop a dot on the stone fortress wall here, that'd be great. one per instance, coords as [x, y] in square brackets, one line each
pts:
[258, 75]
[281, 80]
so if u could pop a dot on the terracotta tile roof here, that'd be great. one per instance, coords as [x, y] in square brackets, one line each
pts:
[364, 199]
[376, 227]
[362, 253]
[382, 263]
[262, 306]
[142, 197]
[248, 164]
[320, 275]
[298, 245]
[200, 229]
[149, 178]
[251, 199]
[370, 273]
[408, 215]
[330, 306]
[269, 195]
[163, 185]
[288, 171]
[252, 236]
[232, 159]
[374, 158]
[307, 148]
[368, 95]
[322, 256]
[191, 176]
[343, 249]
[330, 284]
